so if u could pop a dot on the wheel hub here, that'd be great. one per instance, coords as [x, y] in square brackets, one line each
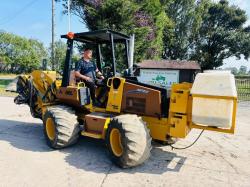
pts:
[115, 142]
[50, 129]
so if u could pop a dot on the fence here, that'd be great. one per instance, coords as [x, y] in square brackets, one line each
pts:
[243, 87]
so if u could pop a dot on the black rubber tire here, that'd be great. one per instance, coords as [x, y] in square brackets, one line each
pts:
[135, 139]
[66, 126]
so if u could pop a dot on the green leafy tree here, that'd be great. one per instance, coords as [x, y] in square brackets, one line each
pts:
[20, 54]
[221, 35]
[145, 18]
[186, 19]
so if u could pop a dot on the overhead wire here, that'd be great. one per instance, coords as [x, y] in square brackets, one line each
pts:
[7, 20]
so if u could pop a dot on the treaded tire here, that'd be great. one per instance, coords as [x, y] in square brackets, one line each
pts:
[66, 126]
[135, 140]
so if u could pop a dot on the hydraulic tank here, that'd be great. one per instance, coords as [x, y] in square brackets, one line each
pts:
[213, 98]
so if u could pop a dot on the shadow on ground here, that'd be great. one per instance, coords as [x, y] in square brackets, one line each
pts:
[92, 155]
[88, 154]
[23, 135]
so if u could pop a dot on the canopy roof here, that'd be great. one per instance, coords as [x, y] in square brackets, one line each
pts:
[98, 36]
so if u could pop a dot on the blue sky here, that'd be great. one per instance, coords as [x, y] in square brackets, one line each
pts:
[32, 19]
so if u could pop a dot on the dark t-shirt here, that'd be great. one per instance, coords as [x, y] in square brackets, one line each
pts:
[86, 68]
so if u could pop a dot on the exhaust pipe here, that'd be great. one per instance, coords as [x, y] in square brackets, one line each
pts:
[131, 54]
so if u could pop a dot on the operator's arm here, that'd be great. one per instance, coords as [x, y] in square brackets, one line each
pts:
[83, 77]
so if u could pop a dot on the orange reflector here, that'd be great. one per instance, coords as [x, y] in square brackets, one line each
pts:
[70, 35]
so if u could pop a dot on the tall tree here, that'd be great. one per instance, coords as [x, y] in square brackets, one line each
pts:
[145, 18]
[221, 35]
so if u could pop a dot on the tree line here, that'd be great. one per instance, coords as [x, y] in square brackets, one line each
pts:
[242, 71]
[20, 55]
[201, 30]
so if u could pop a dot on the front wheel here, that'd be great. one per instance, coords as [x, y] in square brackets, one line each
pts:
[61, 128]
[128, 140]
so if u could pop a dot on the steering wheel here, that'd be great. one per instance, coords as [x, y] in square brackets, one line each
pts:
[107, 72]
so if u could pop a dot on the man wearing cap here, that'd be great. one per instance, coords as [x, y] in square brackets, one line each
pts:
[87, 71]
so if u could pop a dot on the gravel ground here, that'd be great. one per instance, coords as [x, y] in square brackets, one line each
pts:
[25, 160]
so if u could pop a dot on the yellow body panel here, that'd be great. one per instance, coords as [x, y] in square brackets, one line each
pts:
[179, 126]
[105, 128]
[179, 110]
[158, 127]
[115, 97]
[43, 79]
[179, 97]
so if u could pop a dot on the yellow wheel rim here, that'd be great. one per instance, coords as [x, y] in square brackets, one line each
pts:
[50, 129]
[115, 142]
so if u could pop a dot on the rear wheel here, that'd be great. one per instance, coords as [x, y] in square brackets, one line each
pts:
[128, 140]
[61, 128]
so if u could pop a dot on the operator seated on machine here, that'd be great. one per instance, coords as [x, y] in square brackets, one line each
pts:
[87, 71]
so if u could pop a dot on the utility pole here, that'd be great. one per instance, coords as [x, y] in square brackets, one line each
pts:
[53, 36]
[69, 16]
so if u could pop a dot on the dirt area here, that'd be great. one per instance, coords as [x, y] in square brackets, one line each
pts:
[25, 160]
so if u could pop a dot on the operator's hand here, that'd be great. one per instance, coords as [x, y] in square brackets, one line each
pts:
[88, 79]
[102, 77]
